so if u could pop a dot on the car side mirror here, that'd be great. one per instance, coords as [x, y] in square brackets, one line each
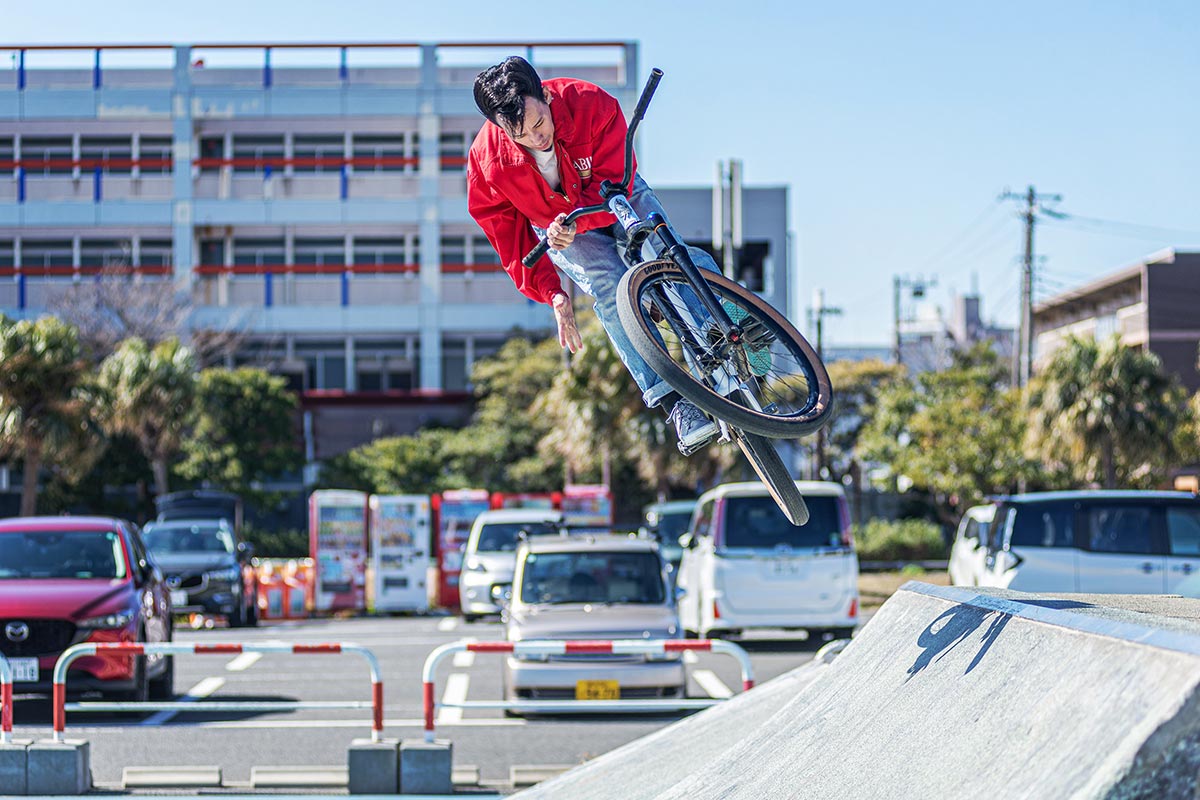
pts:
[501, 594]
[687, 541]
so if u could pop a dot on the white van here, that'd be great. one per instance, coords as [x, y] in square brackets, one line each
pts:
[968, 555]
[1109, 542]
[745, 566]
[490, 555]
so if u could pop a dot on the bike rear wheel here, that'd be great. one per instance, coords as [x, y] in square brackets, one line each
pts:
[762, 455]
[770, 383]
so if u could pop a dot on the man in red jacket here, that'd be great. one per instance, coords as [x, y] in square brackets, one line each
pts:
[545, 150]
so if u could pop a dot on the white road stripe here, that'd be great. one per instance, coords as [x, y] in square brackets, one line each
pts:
[243, 661]
[690, 657]
[201, 690]
[448, 624]
[464, 659]
[323, 723]
[711, 684]
[456, 692]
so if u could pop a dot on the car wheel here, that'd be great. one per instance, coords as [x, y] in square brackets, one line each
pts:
[252, 611]
[163, 687]
[140, 692]
[470, 618]
[238, 618]
[841, 633]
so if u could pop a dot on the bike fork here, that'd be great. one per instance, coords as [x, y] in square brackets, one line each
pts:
[678, 252]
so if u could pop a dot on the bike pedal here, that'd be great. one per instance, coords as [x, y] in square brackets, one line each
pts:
[687, 451]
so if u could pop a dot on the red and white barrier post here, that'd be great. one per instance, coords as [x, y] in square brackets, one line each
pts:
[173, 649]
[558, 647]
[6, 701]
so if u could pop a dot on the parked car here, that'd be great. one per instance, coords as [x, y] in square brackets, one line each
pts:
[1112, 542]
[66, 580]
[969, 551]
[490, 555]
[746, 567]
[591, 587]
[207, 568]
[666, 522]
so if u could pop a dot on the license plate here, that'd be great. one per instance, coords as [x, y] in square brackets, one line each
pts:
[25, 670]
[597, 690]
[785, 568]
[179, 598]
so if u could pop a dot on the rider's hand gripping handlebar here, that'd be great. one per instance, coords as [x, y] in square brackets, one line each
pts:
[608, 190]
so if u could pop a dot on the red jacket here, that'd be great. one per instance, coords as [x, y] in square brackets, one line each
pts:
[505, 191]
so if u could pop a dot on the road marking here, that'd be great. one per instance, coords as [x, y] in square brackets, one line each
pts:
[243, 661]
[464, 659]
[201, 690]
[711, 684]
[690, 657]
[456, 692]
[448, 624]
[365, 724]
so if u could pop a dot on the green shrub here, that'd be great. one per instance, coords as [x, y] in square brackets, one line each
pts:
[899, 540]
[290, 543]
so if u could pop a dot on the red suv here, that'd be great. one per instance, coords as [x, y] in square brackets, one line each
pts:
[65, 580]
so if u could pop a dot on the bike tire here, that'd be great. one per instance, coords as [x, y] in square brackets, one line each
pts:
[799, 360]
[762, 455]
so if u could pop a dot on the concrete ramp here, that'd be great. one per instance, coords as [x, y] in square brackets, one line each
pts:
[953, 692]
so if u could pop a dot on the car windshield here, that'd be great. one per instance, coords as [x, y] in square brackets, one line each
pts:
[501, 537]
[165, 539]
[593, 577]
[758, 523]
[61, 554]
[672, 525]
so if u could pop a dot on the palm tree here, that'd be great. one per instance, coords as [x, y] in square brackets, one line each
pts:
[47, 404]
[151, 392]
[1106, 413]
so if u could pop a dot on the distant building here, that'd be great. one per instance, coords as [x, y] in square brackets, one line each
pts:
[929, 340]
[1153, 304]
[864, 352]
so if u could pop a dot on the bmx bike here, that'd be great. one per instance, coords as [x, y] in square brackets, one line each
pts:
[713, 341]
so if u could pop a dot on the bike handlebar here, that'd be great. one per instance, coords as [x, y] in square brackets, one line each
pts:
[607, 189]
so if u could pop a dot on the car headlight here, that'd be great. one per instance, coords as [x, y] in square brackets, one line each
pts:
[228, 574]
[118, 620]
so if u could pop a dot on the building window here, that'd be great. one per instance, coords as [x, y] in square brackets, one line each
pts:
[159, 252]
[452, 149]
[320, 251]
[47, 253]
[212, 153]
[113, 154]
[104, 253]
[255, 153]
[454, 250]
[155, 155]
[43, 155]
[380, 251]
[257, 252]
[6, 253]
[7, 152]
[379, 153]
[212, 252]
[454, 365]
[482, 251]
[317, 153]
[749, 263]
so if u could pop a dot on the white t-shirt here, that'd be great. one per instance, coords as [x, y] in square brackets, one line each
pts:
[547, 164]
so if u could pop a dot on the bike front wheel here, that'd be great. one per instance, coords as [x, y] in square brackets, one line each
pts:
[771, 382]
[763, 456]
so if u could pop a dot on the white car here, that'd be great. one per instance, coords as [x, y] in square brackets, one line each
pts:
[491, 554]
[745, 566]
[969, 553]
[1108, 542]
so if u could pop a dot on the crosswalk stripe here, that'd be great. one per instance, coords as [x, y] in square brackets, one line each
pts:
[244, 661]
[464, 659]
[456, 692]
[711, 684]
[201, 690]
[448, 624]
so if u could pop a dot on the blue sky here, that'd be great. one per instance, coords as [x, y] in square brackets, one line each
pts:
[895, 125]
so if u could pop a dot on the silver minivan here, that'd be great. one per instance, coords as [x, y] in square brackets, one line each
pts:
[745, 566]
[593, 586]
[490, 554]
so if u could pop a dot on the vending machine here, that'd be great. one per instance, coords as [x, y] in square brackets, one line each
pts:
[454, 513]
[400, 546]
[536, 500]
[337, 540]
[587, 506]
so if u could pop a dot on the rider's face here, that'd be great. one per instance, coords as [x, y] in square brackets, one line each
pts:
[538, 130]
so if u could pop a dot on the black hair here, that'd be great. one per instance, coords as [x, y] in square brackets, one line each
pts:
[500, 91]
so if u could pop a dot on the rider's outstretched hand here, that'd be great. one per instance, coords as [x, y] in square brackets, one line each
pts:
[568, 331]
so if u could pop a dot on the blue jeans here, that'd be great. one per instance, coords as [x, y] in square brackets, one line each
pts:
[595, 263]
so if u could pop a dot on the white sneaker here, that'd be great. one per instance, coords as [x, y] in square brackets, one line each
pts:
[692, 426]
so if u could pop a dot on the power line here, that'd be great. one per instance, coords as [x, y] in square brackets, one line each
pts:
[1116, 226]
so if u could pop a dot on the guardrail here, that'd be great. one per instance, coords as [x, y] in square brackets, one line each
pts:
[171, 649]
[558, 647]
[6, 701]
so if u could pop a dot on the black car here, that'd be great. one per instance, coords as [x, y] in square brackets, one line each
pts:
[207, 568]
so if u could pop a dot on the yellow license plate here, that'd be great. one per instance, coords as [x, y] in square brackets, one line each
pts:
[597, 690]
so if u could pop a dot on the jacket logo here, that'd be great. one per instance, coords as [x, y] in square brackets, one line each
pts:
[584, 167]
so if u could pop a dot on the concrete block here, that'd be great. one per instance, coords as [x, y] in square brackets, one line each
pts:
[59, 767]
[171, 777]
[426, 767]
[521, 775]
[298, 777]
[14, 764]
[465, 775]
[374, 767]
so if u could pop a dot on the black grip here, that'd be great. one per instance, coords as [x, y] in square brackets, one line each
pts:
[536, 253]
[648, 92]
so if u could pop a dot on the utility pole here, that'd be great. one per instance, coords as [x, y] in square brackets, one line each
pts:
[918, 286]
[1023, 357]
[727, 215]
[817, 315]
